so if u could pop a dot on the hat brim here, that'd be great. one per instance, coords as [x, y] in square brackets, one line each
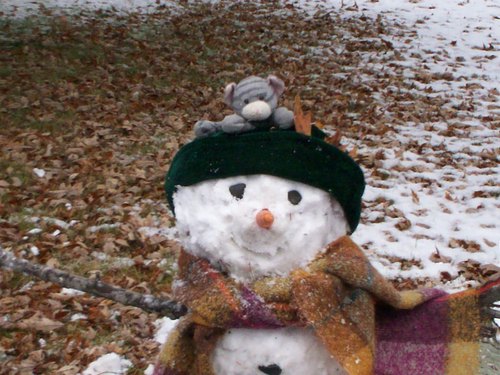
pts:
[285, 154]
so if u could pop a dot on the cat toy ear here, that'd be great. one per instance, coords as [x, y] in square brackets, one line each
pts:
[277, 84]
[229, 93]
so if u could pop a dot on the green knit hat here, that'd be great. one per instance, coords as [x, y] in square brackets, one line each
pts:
[283, 153]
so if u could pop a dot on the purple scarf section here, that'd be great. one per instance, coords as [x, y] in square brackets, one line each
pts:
[255, 314]
[413, 342]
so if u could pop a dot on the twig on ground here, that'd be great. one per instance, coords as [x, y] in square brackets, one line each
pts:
[94, 287]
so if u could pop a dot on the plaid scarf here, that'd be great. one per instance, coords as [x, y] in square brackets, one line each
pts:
[410, 332]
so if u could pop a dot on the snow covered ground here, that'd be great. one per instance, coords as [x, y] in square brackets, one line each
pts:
[449, 207]
[110, 363]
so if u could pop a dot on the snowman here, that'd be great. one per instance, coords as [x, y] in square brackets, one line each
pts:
[252, 227]
[273, 283]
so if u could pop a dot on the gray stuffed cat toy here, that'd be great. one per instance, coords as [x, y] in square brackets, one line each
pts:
[255, 102]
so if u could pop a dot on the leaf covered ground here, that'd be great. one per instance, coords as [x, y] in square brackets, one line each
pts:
[94, 104]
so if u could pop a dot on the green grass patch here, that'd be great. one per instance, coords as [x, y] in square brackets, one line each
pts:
[18, 280]
[59, 72]
[83, 267]
[6, 71]
[139, 148]
[13, 171]
[22, 119]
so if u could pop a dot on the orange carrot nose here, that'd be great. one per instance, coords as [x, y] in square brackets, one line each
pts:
[264, 218]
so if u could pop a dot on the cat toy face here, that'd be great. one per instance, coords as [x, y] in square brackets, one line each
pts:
[254, 98]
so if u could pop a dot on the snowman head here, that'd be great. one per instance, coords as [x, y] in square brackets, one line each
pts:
[262, 203]
[257, 225]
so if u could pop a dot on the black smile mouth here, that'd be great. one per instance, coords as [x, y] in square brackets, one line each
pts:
[273, 369]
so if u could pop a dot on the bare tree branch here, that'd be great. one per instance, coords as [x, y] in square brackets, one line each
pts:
[95, 287]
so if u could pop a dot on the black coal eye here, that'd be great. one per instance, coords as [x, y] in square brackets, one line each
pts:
[246, 101]
[261, 97]
[294, 197]
[237, 190]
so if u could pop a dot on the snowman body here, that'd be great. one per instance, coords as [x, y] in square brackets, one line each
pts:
[252, 227]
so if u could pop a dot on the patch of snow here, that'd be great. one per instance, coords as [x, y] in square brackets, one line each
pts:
[35, 231]
[149, 370]
[122, 262]
[39, 172]
[104, 227]
[34, 250]
[170, 233]
[71, 292]
[27, 286]
[163, 328]
[60, 223]
[115, 315]
[452, 207]
[110, 363]
[115, 262]
[99, 255]
[78, 316]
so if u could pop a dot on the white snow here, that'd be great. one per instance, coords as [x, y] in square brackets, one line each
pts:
[102, 227]
[27, 286]
[163, 328]
[34, 250]
[110, 363]
[71, 292]
[60, 223]
[115, 262]
[78, 316]
[39, 172]
[170, 233]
